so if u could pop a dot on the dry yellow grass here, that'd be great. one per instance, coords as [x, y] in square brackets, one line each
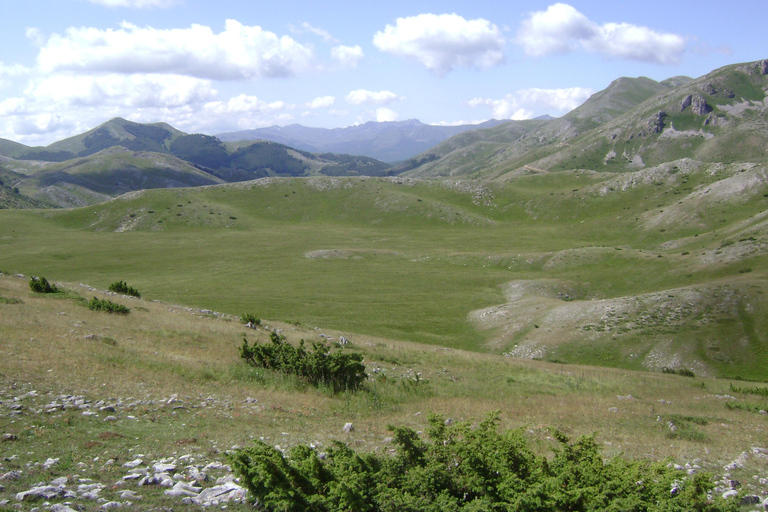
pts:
[159, 351]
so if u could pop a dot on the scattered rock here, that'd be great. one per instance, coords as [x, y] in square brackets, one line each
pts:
[47, 492]
[164, 468]
[220, 493]
[750, 499]
[348, 427]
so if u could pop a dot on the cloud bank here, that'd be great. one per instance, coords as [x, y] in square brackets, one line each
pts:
[563, 29]
[240, 52]
[521, 104]
[443, 42]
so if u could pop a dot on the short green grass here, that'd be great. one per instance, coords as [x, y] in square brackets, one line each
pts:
[393, 258]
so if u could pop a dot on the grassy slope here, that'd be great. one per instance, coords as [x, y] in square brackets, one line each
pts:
[185, 360]
[412, 260]
[160, 350]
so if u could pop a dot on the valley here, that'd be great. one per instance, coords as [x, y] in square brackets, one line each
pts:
[598, 274]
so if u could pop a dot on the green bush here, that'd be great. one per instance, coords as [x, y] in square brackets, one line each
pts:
[250, 318]
[470, 469]
[685, 372]
[318, 366]
[123, 289]
[97, 304]
[41, 285]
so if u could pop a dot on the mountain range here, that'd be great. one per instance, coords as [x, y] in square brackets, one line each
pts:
[634, 123]
[390, 141]
[121, 156]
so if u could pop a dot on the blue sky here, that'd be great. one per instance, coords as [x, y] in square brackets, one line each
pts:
[210, 67]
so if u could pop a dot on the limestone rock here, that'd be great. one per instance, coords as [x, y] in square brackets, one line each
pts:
[686, 102]
[699, 105]
[656, 123]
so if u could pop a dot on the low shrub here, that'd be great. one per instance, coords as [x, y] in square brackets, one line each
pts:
[685, 372]
[97, 304]
[41, 285]
[123, 289]
[337, 370]
[250, 318]
[757, 390]
[461, 467]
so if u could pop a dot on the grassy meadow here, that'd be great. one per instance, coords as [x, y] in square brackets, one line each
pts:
[186, 393]
[414, 261]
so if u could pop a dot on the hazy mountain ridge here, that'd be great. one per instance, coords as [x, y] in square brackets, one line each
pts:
[390, 141]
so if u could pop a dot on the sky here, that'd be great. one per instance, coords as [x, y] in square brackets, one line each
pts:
[210, 67]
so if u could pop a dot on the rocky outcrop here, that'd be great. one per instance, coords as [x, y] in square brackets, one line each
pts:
[656, 123]
[699, 105]
[763, 67]
[686, 102]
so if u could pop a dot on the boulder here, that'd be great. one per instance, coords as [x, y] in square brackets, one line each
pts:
[220, 493]
[699, 105]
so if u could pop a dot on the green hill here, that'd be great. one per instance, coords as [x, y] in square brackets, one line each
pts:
[121, 156]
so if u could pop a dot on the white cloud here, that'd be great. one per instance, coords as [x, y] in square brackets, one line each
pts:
[523, 103]
[137, 91]
[238, 53]
[443, 42]
[384, 114]
[12, 71]
[323, 34]
[361, 96]
[562, 29]
[348, 56]
[321, 102]
[245, 104]
[138, 4]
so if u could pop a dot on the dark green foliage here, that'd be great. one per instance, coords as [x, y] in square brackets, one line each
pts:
[337, 370]
[750, 391]
[123, 289]
[685, 372]
[350, 165]
[47, 155]
[41, 285]
[466, 468]
[202, 150]
[758, 409]
[146, 138]
[267, 157]
[97, 304]
[250, 318]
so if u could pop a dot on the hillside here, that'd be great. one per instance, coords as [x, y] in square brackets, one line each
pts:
[101, 405]
[634, 123]
[121, 156]
[391, 141]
